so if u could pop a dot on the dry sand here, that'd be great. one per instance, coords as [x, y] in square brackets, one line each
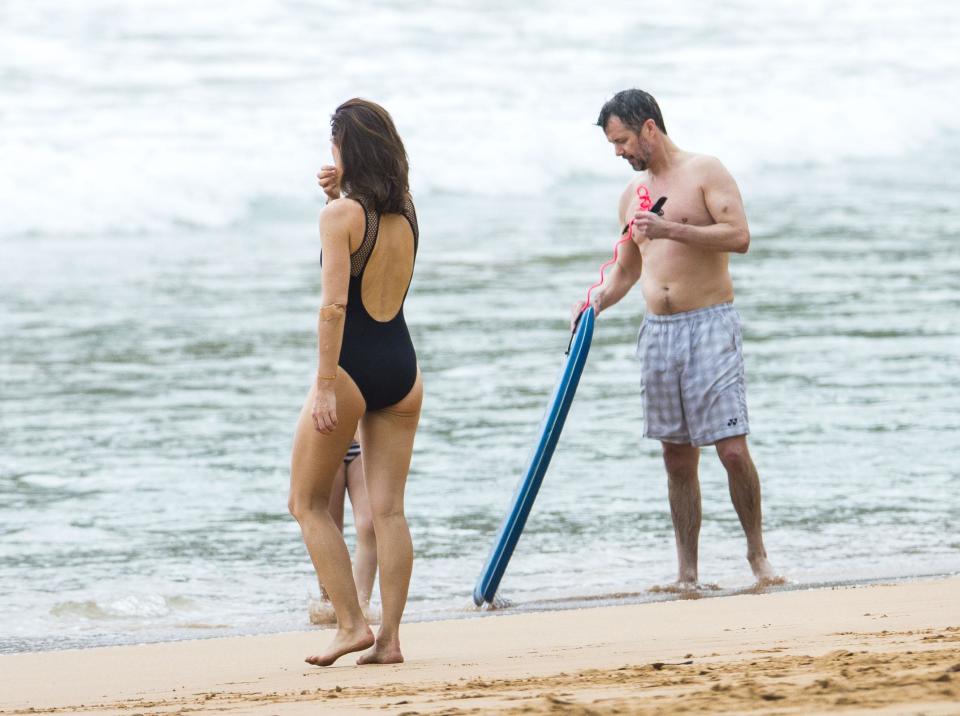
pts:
[879, 649]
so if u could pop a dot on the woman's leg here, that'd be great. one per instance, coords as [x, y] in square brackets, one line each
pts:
[314, 464]
[365, 556]
[323, 614]
[387, 439]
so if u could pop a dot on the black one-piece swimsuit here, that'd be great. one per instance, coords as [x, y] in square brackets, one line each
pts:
[378, 355]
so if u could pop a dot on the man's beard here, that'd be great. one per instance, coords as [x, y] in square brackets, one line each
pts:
[641, 160]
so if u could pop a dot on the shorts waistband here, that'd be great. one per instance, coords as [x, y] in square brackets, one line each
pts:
[715, 309]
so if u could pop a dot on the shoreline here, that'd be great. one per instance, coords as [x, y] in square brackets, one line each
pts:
[652, 595]
[877, 646]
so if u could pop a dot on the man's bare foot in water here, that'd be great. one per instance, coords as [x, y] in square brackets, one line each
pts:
[764, 572]
[385, 651]
[344, 642]
[684, 587]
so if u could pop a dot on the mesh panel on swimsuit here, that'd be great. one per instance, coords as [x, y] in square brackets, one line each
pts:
[359, 258]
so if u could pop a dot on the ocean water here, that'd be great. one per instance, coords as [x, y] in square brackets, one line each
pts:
[159, 276]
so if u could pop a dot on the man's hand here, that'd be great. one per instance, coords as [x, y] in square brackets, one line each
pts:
[329, 180]
[575, 312]
[325, 408]
[596, 300]
[647, 225]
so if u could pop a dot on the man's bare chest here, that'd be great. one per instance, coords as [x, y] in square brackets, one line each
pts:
[685, 203]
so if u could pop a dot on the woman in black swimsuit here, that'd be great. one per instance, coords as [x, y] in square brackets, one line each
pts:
[367, 374]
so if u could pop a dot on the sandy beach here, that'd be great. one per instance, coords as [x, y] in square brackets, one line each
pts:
[878, 648]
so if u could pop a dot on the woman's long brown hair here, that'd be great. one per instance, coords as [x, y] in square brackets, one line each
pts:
[375, 165]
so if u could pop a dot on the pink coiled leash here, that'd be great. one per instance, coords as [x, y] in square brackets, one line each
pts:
[645, 203]
[643, 195]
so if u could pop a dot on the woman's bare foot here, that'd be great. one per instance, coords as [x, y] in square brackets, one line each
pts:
[383, 652]
[343, 643]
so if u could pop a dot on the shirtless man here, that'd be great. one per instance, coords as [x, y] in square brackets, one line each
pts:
[690, 340]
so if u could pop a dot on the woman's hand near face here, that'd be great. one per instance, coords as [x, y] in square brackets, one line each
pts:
[329, 180]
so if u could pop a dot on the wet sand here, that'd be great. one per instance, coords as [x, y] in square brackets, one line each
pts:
[877, 648]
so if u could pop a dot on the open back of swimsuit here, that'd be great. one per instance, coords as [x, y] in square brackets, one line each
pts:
[377, 351]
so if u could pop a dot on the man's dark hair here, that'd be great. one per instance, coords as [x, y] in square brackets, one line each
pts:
[633, 107]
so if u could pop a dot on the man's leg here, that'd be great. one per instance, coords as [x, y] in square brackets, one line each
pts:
[684, 489]
[744, 485]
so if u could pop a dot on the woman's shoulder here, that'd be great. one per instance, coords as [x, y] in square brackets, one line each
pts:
[341, 211]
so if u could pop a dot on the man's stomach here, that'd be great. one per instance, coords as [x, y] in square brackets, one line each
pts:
[677, 278]
[677, 296]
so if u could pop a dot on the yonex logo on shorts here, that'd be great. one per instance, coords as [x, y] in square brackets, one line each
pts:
[731, 422]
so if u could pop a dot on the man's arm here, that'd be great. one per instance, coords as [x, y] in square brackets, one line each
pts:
[624, 274]
[626, 271]
[728, 233]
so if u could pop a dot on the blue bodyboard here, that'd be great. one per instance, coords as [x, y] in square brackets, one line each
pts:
[526, 492]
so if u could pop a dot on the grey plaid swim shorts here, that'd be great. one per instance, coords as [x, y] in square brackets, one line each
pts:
[693, 384]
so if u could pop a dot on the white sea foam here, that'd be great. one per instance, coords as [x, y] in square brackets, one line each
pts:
[129, 606]
[168, 113]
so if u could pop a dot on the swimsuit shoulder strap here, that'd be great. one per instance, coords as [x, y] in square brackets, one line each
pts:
[359, 258]
[410, 213]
